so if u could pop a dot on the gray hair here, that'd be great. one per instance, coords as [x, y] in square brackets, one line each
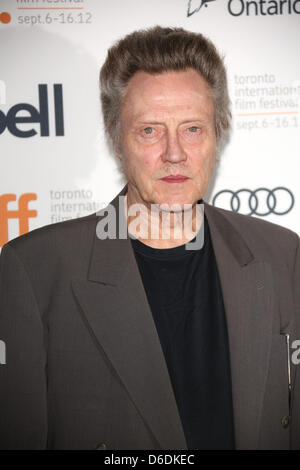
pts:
[157, 50]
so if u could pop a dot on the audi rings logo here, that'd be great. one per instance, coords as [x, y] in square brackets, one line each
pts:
[261, 201]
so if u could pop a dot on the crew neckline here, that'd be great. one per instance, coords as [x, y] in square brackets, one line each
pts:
[174, 252]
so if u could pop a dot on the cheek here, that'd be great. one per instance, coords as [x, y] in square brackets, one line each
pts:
[138, 166]
[203, 161]
[147, 158]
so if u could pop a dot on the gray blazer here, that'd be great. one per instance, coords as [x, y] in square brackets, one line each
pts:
[84, 365]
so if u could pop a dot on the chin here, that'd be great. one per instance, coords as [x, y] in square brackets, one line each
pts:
[179, 201]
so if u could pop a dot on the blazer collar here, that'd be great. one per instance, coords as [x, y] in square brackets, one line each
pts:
[134, 347]
[101, 269]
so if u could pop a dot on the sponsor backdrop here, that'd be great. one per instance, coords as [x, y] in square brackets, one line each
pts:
[55, 163]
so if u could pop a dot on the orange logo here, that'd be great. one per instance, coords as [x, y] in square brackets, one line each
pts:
[23, 213]
[5, 17]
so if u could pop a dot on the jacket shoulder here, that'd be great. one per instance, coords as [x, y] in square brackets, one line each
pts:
[267, 239]
[248, 221]
[49, 238]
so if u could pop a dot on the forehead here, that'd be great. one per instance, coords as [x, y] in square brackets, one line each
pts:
[170, 92]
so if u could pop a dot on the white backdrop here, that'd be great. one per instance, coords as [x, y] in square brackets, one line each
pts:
[57, 166]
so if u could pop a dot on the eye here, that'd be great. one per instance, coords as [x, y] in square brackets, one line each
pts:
[192, 133]
[193, 129]
[148, 130]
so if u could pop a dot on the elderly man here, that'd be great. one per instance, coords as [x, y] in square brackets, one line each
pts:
[143, 338]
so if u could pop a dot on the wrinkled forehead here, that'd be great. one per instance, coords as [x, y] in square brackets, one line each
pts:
[168, 92]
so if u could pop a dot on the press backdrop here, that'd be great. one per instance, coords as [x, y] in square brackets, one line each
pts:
[55, 163]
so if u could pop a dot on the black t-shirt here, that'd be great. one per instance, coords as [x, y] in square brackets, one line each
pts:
[185, 297]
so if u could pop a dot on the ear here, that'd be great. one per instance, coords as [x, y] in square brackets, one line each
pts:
[117, 149]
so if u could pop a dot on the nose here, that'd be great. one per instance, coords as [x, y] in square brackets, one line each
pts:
[174, 152]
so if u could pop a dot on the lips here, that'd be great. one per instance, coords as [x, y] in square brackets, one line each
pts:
[175, 179]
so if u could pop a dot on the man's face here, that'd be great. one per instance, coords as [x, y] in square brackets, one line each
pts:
[167, 128]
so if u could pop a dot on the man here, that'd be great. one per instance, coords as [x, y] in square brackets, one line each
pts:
[152, 342]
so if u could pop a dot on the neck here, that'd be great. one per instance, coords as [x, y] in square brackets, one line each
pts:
[159, 228]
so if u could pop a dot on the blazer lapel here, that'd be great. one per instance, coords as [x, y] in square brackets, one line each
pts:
[115, 305]
[247, 286]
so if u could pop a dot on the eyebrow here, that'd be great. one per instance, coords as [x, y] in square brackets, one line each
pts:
[150, 121]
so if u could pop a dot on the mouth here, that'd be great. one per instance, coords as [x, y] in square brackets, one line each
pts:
[175, 179]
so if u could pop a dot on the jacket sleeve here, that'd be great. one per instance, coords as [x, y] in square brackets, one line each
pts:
[297, 286]
[296, 392]
[23, 384]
